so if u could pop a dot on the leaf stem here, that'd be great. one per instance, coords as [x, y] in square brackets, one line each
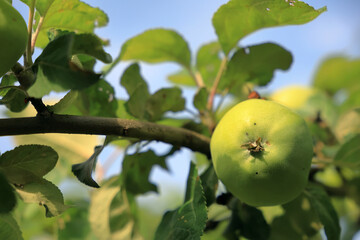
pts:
[216, 84]
[197, 78]
[28, 54]
[106, 126]
[36, 33]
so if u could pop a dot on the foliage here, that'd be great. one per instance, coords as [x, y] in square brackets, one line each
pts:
[35, 171]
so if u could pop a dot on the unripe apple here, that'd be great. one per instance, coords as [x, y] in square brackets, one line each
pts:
[262, 152]
[13, 36]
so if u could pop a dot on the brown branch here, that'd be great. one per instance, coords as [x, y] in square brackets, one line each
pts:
[106, 126]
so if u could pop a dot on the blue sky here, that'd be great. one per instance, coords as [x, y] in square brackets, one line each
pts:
[336, 31]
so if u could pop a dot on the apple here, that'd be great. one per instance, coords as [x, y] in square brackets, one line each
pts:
[13, 36]
[262, 152]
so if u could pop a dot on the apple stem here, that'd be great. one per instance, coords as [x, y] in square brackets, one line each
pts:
[255, 146]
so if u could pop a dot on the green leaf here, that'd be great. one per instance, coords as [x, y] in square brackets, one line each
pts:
[7, 80]
[349, 152]
[321, 203]
[56, 72]
[83, 171]
[348, 123]
[255, 64]
[337, 73]
[27, 163]
[248, 222]
[209, 182]
[188, 221]
[44, 193]
[237, 19]
[64, 103]
[9, 229]
[14, 100]
[182, 77]
[164, 100]
[137, 89]
[71, 15]
[155, 46]
[208, 62]
[282, 229]
[8, 199]
[136, 170]
[200, 99]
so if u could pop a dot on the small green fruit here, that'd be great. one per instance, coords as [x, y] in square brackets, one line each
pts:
[13, 36]
[262, 152]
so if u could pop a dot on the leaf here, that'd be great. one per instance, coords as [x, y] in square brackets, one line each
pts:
[348, 123]
[7, 80]
[72, 15]
[182, 77]
[83, 171]
[155, 46]
[248, 222]
[136, 170]
[321, 203]
[44, 193]
[14, 100]
[237, 19]
[55, 71]
[8, 199]
[164, 100]
[349, 152]
[209, 182]
[337, 73]
[200, 99]
[255, 64]
[27, 163]
[188, 221]
[9, 229]
[64, 103]
[208, 62]
[137, 89]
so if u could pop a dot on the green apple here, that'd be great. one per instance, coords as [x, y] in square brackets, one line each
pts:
[13, 36]
[262, 152]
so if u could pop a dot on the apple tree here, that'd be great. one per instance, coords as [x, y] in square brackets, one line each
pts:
[53, 137]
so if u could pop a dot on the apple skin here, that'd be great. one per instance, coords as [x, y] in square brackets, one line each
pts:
[13, 36]
[274, 175]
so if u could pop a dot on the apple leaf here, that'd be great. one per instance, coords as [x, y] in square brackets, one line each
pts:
[349, 152]
[44, 193]
[71, 15]
[14, 100]
[209, 182]
[255, 64]
[9, 229]
[137, 89]
[348, 124]
[164, 100]
[7, 80]
[337, 73]
[282, 229]
[8, 199]
[189, 220]
[321, 203]
[27, 163]
[56, 72]
[246, 221]
[208, 62]
[237, 19]
[155, 46]
[136, 170]
[200, 99]
[182, 77]
[83, 171]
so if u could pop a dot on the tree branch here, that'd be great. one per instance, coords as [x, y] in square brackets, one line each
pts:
[106, 126]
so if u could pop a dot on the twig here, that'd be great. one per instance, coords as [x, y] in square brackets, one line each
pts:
[28, 59]
[216, 84]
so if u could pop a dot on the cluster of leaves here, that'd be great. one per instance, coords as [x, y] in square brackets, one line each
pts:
[64, 29]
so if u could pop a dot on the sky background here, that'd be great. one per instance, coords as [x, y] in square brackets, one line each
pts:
[336, 31]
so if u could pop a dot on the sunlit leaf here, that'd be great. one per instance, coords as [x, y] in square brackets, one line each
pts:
[164, 100]
[27, 163]
[238, 18]
[45, 194]
[188, 221]
[349, 123]
[72, 15]
[136, 170]
[255, 64]
[182, 78]
[155, 46]
[9, 229]
[349, 152]
[209, 182]
[208, 62]
[337, 73]
[137, 89]
[8, 199]
[56, 72]
[323, 207]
